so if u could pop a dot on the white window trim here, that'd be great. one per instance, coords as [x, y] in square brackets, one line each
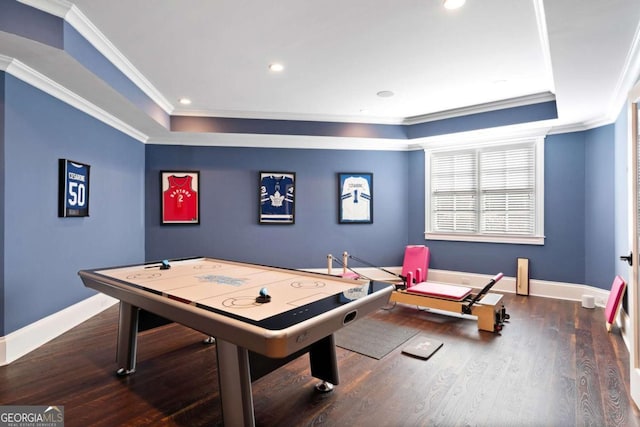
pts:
[536, 239]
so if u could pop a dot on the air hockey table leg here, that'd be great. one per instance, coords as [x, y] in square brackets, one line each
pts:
[324, 363]
[127, 339]
[234, 377]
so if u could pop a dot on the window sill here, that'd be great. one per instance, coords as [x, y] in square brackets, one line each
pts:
[514, 240]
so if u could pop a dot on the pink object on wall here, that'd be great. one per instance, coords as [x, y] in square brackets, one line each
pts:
[615, 297]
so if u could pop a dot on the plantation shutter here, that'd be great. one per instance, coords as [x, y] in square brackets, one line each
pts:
[488, 191]
[507, 190]
[454, 192]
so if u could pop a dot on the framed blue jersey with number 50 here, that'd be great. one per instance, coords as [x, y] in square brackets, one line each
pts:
[73, 190]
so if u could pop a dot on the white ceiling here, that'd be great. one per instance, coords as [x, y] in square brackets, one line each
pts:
[339, 54]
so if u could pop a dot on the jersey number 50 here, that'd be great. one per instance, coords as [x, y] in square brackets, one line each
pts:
[77, 194]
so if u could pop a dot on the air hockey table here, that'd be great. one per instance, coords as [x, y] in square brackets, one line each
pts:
[262, 317]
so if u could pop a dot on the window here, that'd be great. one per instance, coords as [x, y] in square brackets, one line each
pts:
[490, 192]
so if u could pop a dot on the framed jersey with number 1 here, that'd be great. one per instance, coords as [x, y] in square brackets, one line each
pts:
[180, 197]
[355, 204]
[73, 188]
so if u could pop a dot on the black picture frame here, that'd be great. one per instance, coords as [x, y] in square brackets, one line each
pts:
[73, 188]
[276, 198]
[179, 197]
[355, 197]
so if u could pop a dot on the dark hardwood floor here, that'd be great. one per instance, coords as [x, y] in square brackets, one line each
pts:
[554, 364]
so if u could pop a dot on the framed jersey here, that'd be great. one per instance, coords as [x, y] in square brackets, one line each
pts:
[355, 202]
[180, 197]
[277, 197]
[73, 188]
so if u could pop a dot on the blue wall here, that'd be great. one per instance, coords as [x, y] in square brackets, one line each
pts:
[29, 22]
[229, 206]
[562, 258]
[43, 252]
[599, 205]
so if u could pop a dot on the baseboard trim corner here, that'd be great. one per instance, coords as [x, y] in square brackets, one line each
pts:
[26, 339]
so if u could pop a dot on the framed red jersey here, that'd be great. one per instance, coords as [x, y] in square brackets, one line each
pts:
[180, 197]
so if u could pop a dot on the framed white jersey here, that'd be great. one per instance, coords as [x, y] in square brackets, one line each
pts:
[356, 198]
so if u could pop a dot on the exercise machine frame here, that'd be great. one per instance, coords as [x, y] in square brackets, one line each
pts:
[487, 307]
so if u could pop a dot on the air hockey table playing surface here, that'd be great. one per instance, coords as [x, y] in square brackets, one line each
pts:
[231, 288]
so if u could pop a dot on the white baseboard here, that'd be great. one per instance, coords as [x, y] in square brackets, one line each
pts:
[24, 340]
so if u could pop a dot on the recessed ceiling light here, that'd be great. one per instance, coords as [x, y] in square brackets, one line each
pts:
[453, 4]
[276, 66]
[385, 94]
[184, 101]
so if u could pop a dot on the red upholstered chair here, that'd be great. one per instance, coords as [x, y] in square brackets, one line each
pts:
[613, 303]
[416, 262]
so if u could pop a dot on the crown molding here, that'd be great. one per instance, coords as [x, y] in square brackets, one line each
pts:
[581, 126]
[57, 8]
[501, 133]
[628, 77]
[543, 34]
[430, 117]
[74, 17]
[40, 81]
[5, 62]
[535, 98]
[258, 115]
